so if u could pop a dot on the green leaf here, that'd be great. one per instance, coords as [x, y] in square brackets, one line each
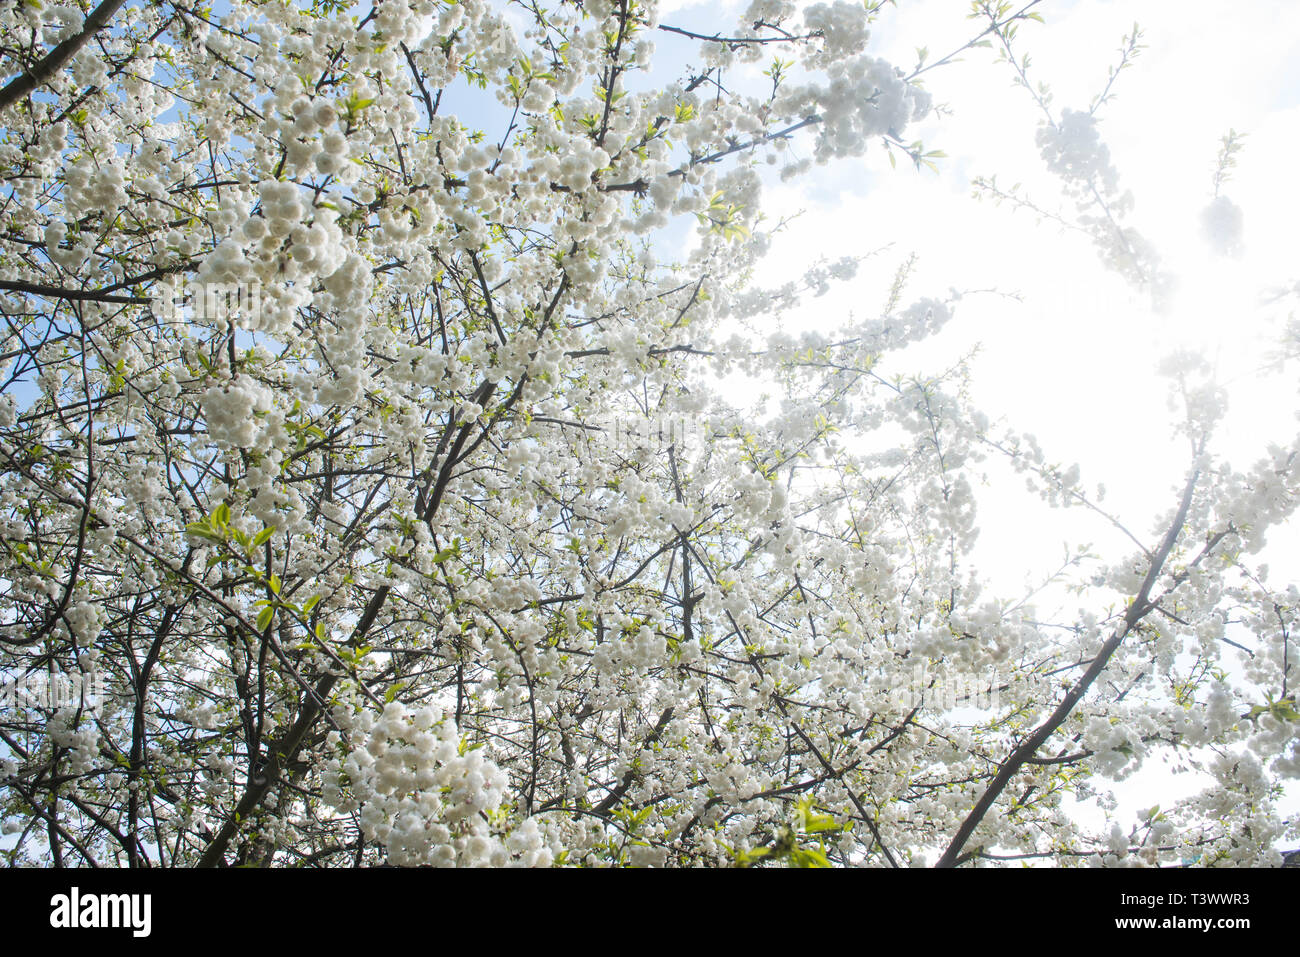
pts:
[264, 618]
[808, 857]
[746, 858]
[1285, 711]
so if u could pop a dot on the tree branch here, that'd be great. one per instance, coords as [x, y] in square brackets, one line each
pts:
[57, 58]
[1140, 606]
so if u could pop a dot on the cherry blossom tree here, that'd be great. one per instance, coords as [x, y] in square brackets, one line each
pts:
[354, 434]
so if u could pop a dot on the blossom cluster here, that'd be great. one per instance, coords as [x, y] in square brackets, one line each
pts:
[420, 794]
[492, 531]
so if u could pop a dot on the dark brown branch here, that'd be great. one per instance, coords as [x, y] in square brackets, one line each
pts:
[740, 41]
[1139, 608]
[57, 58]
[74, 295]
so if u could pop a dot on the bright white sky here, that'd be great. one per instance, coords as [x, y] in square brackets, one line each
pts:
[1074, 361]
